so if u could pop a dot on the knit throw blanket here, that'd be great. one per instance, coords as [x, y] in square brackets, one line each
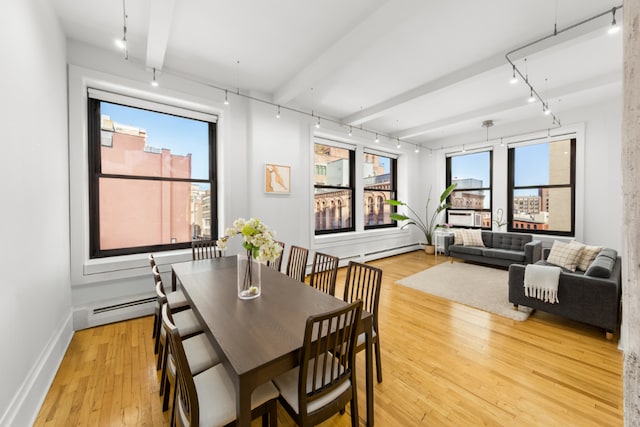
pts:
[541, 281]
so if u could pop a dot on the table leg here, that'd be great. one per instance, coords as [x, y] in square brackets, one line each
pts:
[243, 405]
[173, 281]
[369, 371]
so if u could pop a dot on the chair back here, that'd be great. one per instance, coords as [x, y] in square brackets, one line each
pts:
[204, 249]
[186, 411]
[152, 261]
[157, 278]
[277, 263]
[324, 273]
[297, 263]
[363, 283]
[325, 365]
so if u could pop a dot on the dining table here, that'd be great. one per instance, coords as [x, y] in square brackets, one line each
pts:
[259, 338]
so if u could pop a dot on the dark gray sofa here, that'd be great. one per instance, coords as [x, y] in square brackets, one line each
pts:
[501, 249]
[592, 297]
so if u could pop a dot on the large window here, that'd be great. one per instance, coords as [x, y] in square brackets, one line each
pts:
[379, 174]
[333, 188]
[471, 200]
[542, 188]
[152, 180]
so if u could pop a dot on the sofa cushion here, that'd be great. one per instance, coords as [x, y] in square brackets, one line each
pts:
[602, 266]
[609, 253]
[469, 250]
[458, 240]
[504, 254]
[472, 238]
[510, 241]
[565, 255]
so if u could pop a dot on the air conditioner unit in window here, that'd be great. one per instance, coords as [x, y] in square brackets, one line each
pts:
[477, 219]
[461, 218]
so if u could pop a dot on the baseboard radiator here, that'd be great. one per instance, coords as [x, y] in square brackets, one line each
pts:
[90, 316]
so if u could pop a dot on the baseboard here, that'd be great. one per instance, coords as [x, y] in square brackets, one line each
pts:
[26, 403]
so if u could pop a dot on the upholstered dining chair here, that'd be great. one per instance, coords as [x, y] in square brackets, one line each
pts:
[324, 272]
[204, 249]
[200, 353]
[325, 380]
[363, 282]
[277, 263]
[177, 301]
[208, 398]
[297, 262]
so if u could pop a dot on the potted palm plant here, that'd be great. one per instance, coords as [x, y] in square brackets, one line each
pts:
[429, 225]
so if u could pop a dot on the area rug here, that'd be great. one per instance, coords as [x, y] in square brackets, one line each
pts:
[480, 287]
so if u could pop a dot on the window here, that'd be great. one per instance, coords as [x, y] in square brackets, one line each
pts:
[333, 188]
[542, 188]
[152, 180]
[471, 200]
[379, 174]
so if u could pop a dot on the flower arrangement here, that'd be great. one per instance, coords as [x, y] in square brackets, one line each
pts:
[258, 239]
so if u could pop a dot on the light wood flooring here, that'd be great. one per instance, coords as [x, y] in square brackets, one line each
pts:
[443, 364]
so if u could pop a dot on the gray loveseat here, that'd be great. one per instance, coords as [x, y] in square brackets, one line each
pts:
[501, 249]
[592, 297]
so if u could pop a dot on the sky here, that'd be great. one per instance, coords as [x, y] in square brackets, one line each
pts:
[178, 134]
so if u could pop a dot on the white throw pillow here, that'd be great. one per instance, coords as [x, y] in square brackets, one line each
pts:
[587, 256]
[565, 255]
[472, 237]
[458, 239]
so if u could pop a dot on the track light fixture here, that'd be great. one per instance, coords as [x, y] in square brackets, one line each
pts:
[398, 143]
[614, 28]
[377, 139]
[278, 113]
[122, 43]
[318, 123]
[531, 97]
[350, 131]
[514, 79]
[417, 150]
[154, 82]
[226, 97]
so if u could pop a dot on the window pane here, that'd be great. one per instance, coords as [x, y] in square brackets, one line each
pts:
[376, 210]
[543, 164]
[332, 209]
[471, 170]
[146, 143]
[331, 166]
[542, 209]
[471, 199]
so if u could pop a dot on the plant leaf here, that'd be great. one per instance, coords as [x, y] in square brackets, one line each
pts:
[399, 217]
[395, 202]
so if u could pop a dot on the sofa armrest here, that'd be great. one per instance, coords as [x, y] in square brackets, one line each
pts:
[449, 239]
[532, 252]
[545, 253]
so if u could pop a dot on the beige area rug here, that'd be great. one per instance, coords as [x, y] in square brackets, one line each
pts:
[480, 287]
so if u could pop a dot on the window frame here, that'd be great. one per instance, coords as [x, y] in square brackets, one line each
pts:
[511, 188]
[95, 173]
[393, 191]
[351, 187]
[489, 188]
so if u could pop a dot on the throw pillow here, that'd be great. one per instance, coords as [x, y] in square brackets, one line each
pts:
[587, 256]
[472, 237]
[565, 255]
[602, 266]
[458, 239]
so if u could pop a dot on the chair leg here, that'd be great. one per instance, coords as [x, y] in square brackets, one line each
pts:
[155, 324]
[272, 411]
[167, 392]
[354, 411]
[378, 362]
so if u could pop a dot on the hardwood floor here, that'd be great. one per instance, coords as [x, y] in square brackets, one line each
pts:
[443, 364]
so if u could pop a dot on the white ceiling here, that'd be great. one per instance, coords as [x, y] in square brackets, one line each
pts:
[420, 70]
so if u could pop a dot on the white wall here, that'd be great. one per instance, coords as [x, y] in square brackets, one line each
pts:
[36, 301]
[598, 174]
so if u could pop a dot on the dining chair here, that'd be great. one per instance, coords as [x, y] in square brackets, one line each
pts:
[186, 322]
[200, 353]
[277, 263]
[297, 262]
[208, 398]
[324, 272]
[363, 282]
[204, 249]
[156, 313]
[324, 382]
[177, 301]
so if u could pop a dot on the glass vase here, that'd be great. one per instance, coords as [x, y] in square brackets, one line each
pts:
[249, 284]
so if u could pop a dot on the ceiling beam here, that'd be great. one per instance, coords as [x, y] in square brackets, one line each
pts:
[375, 26]
[483, 113]
[160, 19]
[589, 29]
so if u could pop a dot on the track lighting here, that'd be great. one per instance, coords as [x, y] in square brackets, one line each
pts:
[318, 123]
[417, 150]
[398, 140]
[614, 28]
[546, 109]
[463, 149]
[278, 113]
[122, 43]
[377, 139]
[350, 131]
[514, 79]
[154, 82]
[226, 97]
[531, 97]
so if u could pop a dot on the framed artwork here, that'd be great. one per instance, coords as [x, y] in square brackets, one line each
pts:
[277, 179]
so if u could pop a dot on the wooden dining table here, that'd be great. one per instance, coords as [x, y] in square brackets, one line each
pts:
[259, 338]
